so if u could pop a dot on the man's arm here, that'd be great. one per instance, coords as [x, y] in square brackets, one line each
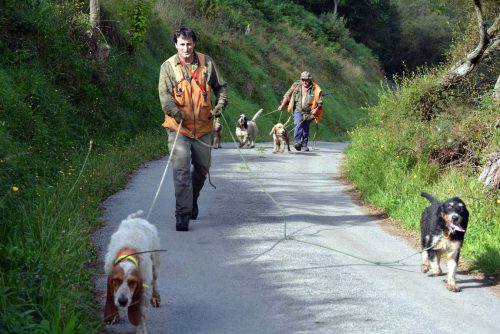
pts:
[288, 95]
[219, 86]
[289, 92]
[166, 89]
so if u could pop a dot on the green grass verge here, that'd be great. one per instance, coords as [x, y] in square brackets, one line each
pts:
[394, 158]
[47, 261]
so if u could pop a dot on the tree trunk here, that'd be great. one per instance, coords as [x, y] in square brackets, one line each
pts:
[491, 172]
[94, 27]
[489, 41]
[335, 7]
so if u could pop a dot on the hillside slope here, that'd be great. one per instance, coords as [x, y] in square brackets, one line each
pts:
[72, 129]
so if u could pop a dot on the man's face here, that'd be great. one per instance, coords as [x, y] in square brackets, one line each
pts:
[185, 48]
[306, 83]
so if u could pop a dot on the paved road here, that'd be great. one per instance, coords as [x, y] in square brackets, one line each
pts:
[234, 272]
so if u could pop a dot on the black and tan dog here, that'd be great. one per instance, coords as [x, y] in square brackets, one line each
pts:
[442, 228]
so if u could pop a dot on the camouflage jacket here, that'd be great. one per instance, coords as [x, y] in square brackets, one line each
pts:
[168, 87]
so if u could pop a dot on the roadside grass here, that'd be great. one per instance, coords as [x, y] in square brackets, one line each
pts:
[47, 261]
[395, 156]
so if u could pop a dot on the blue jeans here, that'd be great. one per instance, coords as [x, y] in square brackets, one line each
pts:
[301, 130]
[188, 180]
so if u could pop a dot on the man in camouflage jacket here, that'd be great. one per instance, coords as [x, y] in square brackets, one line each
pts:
[304, 99]
[186, 81]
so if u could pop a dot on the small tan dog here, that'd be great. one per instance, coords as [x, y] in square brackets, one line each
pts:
[216, 134]
[280, 138]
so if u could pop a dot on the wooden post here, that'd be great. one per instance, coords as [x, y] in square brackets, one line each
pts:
[94, 27]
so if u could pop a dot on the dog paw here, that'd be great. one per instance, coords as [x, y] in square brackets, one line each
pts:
[453, 287]
[437, 272]
[155, 301]
[425, 268]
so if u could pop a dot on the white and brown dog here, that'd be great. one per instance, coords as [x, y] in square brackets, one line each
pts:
[280, 137]
[132, 271]
[216, 134]
[246, 130]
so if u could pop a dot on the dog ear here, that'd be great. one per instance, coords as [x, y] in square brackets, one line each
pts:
[134, 310]
[272, 131]
[245, 124]
[110, 310]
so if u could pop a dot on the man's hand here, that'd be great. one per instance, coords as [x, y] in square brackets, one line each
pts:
[178, 115]
[216, 111]
[282, 105]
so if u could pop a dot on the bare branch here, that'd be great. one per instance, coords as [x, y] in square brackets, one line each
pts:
[488, 42]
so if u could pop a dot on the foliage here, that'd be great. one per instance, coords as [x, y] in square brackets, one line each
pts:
[138, 23]
[283, 40]
[401, 152]
[52, 102]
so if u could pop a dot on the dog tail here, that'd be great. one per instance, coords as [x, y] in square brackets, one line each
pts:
[135, 215]
[430, 198]
[257, 114]
[288, 120]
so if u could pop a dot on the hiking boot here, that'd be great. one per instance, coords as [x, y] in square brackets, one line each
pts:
[298, 147]
[182, 223]
[306, 148]
[194, 213]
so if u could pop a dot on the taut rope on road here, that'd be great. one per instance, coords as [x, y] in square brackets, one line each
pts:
[164, 171]
[292, 238]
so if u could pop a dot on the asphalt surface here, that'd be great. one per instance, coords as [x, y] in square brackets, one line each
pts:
[234, 271]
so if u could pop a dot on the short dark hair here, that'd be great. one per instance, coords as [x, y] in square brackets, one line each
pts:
[184, 32]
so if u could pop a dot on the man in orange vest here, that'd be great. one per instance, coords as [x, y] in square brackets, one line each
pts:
[185, 85]
[304, 99]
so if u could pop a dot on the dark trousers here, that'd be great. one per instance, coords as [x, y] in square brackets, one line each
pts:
[190, 165]
[301, 130]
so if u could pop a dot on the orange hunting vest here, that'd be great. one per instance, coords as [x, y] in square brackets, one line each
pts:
[189, 98]
[317, 94]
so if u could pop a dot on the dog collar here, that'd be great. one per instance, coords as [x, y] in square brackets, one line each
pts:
[127, 257]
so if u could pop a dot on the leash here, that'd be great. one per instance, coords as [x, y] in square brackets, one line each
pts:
[314, 137]
[164, 171]
[247, 167]
[76, 181]
[292, 238]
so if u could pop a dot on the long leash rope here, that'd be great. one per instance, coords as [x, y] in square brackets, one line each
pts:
[285, 236]
[164, 171]
[292, 238]
[256, 179]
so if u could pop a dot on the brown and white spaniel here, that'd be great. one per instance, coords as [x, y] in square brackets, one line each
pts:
[132, 271]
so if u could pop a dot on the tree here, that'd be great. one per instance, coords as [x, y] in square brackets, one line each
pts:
[94, 26]
[100, 52]
[489, 42]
